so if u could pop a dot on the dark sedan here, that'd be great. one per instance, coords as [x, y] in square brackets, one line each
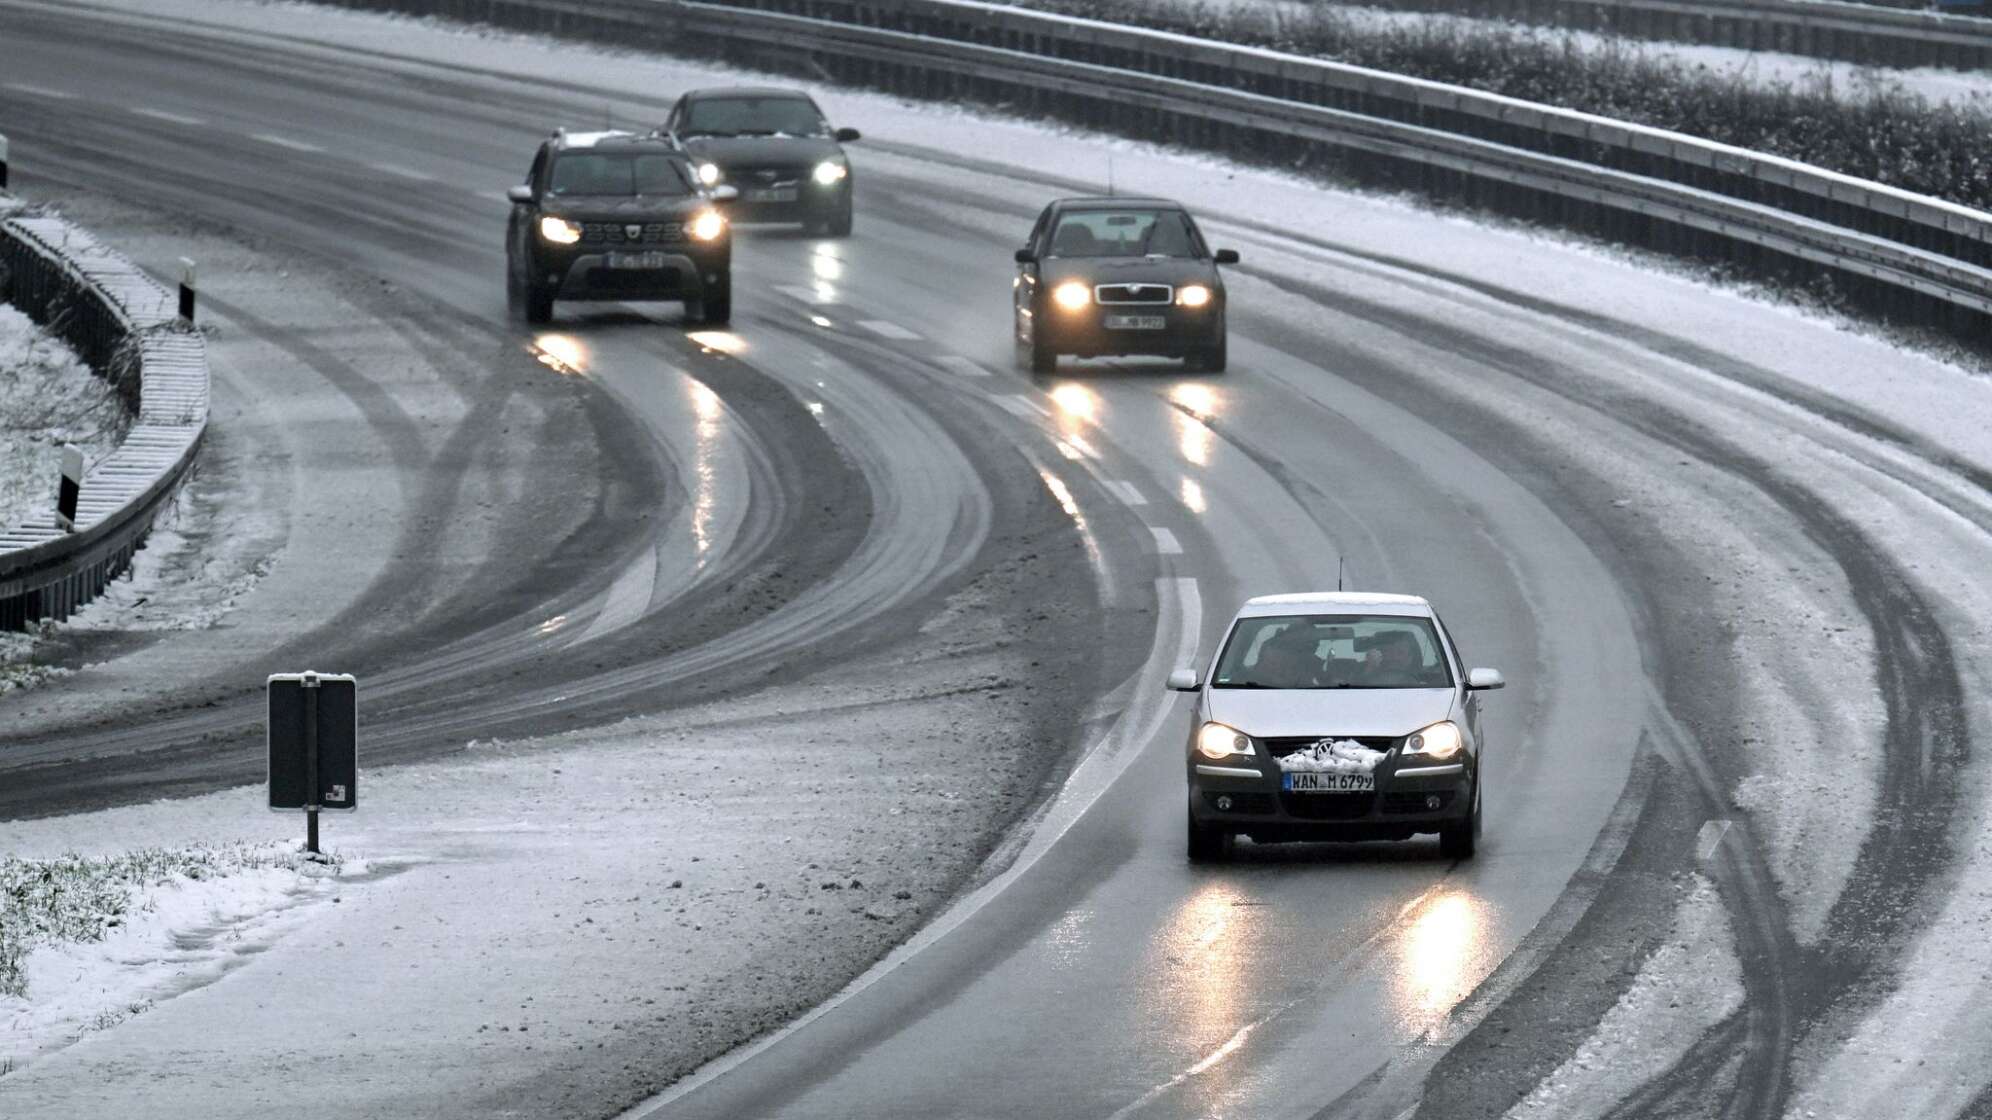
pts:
[1119, 276]
[774, 146]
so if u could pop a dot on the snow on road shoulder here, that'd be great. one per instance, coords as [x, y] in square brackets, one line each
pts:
[48, 397]
[1689, 984]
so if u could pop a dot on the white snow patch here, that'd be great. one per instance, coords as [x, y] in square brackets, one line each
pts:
[1343, 756]
[1690, 983]
[48, 397]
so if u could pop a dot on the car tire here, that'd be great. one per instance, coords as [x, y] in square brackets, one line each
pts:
[537, 304]
[1043, 359]
[716, 309]
[1207, 843]
[1459, 841]
[1210, 357]
[840, 225]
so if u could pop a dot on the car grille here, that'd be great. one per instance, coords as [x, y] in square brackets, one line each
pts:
[1133, 293]
[1281, 747]
[617, 233]
[761, 177]
[1327, 806]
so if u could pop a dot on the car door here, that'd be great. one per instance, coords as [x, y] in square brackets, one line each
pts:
[1469, 700]
[519, 228]
[1023, 293]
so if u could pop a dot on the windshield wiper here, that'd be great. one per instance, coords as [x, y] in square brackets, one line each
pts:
[695, 132]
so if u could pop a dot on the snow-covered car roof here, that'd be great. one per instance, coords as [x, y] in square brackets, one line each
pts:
[1366, 602]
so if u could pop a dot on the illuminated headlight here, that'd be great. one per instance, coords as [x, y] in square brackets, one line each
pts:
[828, 172]
[1193, 295]
[708, 173]
[560, 231]
[1214, 740]
[1441, 741]
[708, 225]
[1071, 295]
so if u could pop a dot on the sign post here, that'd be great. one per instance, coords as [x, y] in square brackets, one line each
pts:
[3, 163]
[314, 727]
[70, 488]
[188, 285]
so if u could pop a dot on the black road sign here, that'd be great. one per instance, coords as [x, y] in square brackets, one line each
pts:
[314, 730]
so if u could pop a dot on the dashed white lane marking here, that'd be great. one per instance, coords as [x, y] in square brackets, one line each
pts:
[963, 366]
[1127, 492]
[628, 597]
[1709, 839]
[1019, 406]
[1166, 542]
[170, 118]
[403, 172]
[884, 329]
[803, 293]
[285, 142]
[41, 91]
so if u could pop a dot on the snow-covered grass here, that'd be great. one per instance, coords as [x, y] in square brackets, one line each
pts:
[47, 397]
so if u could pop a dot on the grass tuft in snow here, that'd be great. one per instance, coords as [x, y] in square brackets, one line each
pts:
[77, 898]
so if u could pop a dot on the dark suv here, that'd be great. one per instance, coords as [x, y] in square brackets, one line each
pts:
[617, 216]
[775, 146]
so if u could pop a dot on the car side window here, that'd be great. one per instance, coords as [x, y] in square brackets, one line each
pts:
[536, 178]
[1036, 241]
[1446, 635]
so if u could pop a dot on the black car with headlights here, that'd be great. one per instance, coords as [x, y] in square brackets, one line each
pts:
[617, 216]
[775, 147]
[1335, 716]
[1119, 276]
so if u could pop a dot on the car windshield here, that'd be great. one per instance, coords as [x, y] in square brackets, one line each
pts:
[1123, 233]
[618, 173]
[754, 116]
[1333, 651]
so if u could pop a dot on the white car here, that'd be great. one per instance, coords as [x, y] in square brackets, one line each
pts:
[1335, 716]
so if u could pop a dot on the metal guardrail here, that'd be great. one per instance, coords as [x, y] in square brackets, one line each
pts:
[127, 328]
[1906, 255]
[1864, 33]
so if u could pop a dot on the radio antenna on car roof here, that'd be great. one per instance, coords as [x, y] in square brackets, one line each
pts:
[1338, 573]
[1110, 174]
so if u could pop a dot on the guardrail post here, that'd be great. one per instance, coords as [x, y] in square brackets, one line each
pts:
[187, 287]
[3, 163]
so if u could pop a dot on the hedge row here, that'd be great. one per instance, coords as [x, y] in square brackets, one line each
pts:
[1870, 126]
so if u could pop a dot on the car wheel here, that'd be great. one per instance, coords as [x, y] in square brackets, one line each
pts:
[1044, 359]
[538, 303]
[1208, 843]
[1210, 357]
[1459, 841]
[840, 225]
[717, 306]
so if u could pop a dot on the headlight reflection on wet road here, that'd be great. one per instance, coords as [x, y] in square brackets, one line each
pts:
[562, 353]
[1437, 960]
[710, 411]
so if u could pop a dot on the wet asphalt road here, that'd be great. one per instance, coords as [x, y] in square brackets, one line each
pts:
[838, 432]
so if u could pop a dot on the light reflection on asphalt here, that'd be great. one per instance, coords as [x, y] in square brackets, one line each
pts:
[562, 353]
[710, 410]
[1437, 956]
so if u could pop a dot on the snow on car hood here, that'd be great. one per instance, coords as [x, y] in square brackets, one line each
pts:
[1325, 712]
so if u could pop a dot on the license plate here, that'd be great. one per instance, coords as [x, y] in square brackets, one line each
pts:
[1309, 782]
[636, 261]
[1136, 322]
[772, 194]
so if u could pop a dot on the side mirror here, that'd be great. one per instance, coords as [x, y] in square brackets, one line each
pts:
[1226, 256]
[1485, 680]
[1183, 680]
[520, 195]
[725, 193]
[1025, 256]
[846, 135]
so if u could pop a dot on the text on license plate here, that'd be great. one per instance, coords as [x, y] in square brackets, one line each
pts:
[636, 260]
[771, 194]
[1308, 782]
[1136, 322]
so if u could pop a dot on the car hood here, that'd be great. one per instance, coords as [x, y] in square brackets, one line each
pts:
[1291, 713]
[621, 208]
[748, 151]
[1175, 271]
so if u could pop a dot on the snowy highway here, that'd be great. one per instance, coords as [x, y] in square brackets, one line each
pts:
[1725, 554]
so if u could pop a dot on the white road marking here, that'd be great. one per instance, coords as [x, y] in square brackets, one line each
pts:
[963, 366]
[885, 329]
[1166, 542]
[41, 91]
[1127, 492]
[1019, 406]
[628, 597]
[285, 142]
[163, 115]
[404, 172]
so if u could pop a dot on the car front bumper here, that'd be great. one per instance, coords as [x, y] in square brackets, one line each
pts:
[1247, 798]
[1087, 331]
[587, 275]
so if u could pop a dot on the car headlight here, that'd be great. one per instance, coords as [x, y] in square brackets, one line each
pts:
[708, 225]
[829, 172]
[708, 173]
[1214, 740]
[1442, 740]
[560, 231]
[1193, 295]
[1072, 295]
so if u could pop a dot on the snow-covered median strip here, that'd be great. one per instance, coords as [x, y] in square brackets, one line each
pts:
[89, 941]
[1691, 983]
